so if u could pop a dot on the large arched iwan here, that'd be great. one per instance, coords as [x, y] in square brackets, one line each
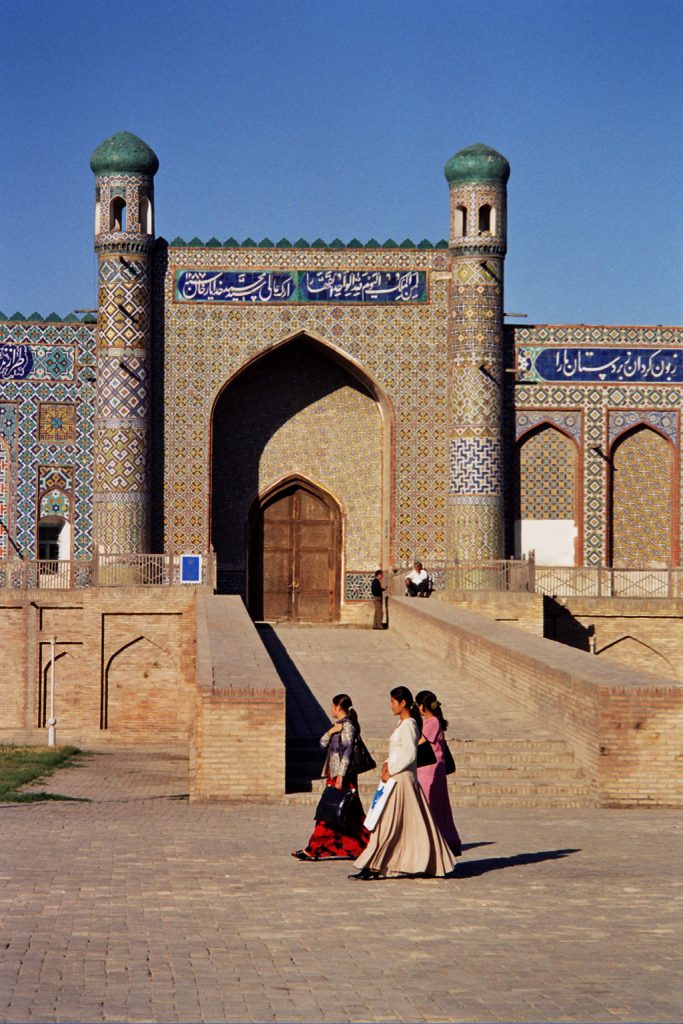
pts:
[304, 411]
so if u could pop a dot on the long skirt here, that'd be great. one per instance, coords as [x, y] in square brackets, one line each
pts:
[433, 780]
[406, 840]
[326, 843]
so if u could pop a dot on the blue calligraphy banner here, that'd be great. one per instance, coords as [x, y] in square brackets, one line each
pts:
[601, 365]
[16, 362]
[371, 286]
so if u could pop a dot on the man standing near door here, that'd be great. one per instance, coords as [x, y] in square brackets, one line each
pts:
[377, 591]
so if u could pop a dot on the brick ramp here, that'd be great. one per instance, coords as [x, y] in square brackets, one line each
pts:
[505, 755]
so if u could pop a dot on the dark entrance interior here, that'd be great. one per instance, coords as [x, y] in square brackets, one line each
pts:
[294, 555]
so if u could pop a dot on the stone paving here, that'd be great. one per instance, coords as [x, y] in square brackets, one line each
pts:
[142, 907]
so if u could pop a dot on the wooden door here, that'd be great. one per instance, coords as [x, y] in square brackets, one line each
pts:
[300, 556]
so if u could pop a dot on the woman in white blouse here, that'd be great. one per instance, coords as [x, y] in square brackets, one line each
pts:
[405, 840]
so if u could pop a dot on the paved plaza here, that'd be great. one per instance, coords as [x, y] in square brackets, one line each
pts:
[131, 904]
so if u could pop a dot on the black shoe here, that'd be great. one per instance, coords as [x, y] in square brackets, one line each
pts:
[364, 875]
[302, 855]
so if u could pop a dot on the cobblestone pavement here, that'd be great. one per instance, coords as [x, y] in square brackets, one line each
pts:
[133, 907]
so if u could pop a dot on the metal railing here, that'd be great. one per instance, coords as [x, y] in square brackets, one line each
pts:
[104, 570]
[525, 575]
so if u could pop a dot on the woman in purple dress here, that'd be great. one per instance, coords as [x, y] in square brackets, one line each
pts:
[432, 777]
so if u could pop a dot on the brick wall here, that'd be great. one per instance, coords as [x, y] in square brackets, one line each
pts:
[523, 610]
[625, 727]
[644, 633]
[238, 747]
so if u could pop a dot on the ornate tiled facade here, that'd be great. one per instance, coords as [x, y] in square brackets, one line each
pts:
[382, 375]
[68, 349]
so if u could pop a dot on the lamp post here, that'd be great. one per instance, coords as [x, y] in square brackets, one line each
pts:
[52, 721]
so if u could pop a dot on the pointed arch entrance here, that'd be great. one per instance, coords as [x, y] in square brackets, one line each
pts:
[294, 564]
[303, 415]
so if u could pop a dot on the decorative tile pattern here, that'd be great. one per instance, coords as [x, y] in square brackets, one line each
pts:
[67, 352]
[643, 463]
[547, 471]
[56, 422]
[475, 466]
[571, 421]
[54, 492]
[357, 586]
[5, 476]
[665, 422]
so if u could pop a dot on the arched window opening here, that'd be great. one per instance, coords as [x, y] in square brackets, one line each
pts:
[54, 539]
[485, 212]
[146, 226]
[98, 212]
[461, 220]
[117, 214]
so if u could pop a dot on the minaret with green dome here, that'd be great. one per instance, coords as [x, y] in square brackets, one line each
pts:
[124, 168]
[477, 177]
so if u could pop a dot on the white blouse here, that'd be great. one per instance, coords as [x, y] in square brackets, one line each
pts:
[403, 747]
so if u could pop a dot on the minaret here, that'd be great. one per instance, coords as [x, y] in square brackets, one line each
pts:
[477, 177]
[124, 168]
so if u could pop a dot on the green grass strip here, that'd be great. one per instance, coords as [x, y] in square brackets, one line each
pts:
[21, 765]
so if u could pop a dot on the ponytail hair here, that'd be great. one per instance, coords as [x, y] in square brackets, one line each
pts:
[428, 701]
[343, 701]
[403, 694]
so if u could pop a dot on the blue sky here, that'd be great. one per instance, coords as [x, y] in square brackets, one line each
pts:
[335, 119]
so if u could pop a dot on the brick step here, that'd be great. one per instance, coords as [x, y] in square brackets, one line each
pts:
[476, 799]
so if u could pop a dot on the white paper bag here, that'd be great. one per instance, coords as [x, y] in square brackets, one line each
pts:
[378, 801]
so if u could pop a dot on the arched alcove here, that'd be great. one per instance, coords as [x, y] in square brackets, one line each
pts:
[545, 495]
[641, 463]
[54, 539]
[145, 216]
[117, 214]
[142, 693]
[629, 650]
[301, 411]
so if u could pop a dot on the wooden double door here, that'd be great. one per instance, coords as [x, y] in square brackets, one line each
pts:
[295, 558]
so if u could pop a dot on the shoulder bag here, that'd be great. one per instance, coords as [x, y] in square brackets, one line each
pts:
[425, 754]
[361, 759]
[334, 806]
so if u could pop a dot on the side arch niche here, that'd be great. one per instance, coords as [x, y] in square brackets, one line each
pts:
[75, 706]
[642, 463]
[628, 650]
[141, 694]
[546, 496]
[301, 412]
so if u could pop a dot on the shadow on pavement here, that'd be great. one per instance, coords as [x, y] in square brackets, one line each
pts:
[473, 846]
[306, 720]
[475, 868]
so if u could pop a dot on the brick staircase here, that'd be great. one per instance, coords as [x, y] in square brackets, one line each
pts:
[490, 773]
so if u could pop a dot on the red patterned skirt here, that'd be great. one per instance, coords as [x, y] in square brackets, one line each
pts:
[326, 843]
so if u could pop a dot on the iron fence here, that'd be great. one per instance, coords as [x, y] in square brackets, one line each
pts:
[104, 570]
[525, 575]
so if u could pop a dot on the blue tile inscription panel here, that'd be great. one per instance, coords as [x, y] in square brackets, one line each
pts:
[601, 365]
[362, 286]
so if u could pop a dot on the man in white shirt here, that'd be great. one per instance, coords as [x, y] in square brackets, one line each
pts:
[417, 581]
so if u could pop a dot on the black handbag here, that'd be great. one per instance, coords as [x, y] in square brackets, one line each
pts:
[449, 760]
[425, 754]
[361, 760]
[334, 806]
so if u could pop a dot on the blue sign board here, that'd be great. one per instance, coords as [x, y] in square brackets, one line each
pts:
[190, 568]
[367, 286]
[601, 365]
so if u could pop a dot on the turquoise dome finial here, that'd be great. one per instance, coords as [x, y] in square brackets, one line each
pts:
[477, 163]
[124, 153]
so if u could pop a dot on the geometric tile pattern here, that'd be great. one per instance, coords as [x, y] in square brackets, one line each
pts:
[643, 462]
[476, 465]
[56, 422]
[571, 421]
[120, 460]
[597, 403]
[66, 356]
[5, 471]
[403, 350]
[357, 586]
[547, 470]
[665, 422]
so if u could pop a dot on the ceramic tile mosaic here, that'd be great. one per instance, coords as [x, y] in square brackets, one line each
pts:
[56, 422]
[547, 473]
[65, 383]
[643, 464]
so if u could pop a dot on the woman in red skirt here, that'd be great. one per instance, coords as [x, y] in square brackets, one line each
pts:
[328, 842]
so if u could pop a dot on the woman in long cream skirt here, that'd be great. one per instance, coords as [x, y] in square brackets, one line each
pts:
[405, 841]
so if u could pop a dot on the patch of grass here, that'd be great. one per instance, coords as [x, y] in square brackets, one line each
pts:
[21, 765]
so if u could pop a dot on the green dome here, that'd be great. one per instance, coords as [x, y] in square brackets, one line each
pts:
[477, 163]
[124, 153]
